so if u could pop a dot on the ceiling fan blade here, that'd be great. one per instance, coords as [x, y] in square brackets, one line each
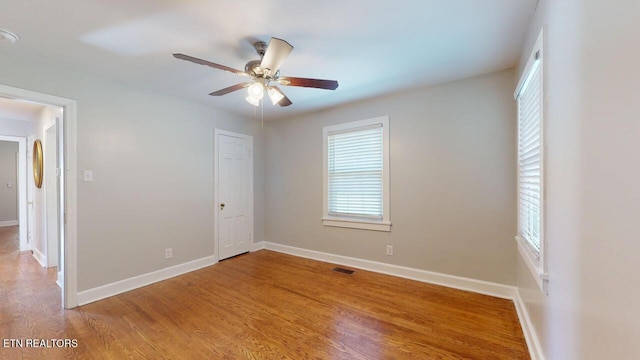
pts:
[305, 82]
[285, 100]
[277, 51]
[230, 89]
[209, 63]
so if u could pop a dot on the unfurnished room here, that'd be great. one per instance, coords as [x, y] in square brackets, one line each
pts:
[319, 180]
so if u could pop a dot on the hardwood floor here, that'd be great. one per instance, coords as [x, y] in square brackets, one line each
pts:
[262, 305]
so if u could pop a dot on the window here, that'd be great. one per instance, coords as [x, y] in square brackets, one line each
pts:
[529, 96]
[356, 175]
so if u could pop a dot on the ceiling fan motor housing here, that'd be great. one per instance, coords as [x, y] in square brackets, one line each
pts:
[254, 69]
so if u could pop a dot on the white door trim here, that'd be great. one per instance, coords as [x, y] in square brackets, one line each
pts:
[69, 263]
[48, 192]
[22, 189]
[216, 200]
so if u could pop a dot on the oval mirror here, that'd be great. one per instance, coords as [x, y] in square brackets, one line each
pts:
[37, 163]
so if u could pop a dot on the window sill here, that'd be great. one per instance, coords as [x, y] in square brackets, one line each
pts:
[356, 224]
[533, 262]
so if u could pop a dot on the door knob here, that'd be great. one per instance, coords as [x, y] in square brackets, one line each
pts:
[222, 206]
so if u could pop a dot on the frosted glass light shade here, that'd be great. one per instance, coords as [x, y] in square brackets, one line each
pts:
[252, 100]
[275, 95]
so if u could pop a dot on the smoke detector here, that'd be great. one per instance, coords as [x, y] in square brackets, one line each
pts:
[8, 36]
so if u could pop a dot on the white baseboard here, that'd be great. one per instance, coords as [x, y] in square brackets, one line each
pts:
[9, 223]
[40, 258]
[533, 343]
[258, 246]
[118, 287]
[456, 282]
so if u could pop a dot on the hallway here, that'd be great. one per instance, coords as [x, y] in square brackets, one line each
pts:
[9, 240]
[28, 291]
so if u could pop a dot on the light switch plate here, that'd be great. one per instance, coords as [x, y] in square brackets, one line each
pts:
[88, 175]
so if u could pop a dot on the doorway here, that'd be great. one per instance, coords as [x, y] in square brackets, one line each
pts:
[20, 186]
[66, 186]
[233, 193]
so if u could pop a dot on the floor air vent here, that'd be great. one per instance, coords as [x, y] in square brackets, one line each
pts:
[344, 271]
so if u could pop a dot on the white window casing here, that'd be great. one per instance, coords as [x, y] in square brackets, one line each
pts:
[356, 175]
[529, 95]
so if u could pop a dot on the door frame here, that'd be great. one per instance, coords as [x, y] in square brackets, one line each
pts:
[68, 261]
[46, 135]
[25, 245]
[216, 173]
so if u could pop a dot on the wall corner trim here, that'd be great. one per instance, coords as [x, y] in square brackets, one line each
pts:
[119, 287]
[533, 343]
[258, 246]
[40, 258]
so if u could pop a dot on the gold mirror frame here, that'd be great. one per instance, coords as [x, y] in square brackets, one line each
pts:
[37, 163]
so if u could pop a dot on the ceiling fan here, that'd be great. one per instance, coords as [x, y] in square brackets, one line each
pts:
[264, 73]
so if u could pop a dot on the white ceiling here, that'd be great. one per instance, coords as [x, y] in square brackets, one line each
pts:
[371, 47]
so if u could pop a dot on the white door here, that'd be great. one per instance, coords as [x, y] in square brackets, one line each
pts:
[234, 195]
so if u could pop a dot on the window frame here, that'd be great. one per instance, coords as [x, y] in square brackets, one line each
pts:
[534, 259]
[356, 222]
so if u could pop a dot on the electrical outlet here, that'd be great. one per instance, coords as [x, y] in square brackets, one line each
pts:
[389, 250]
[87, 176]
[168, 253]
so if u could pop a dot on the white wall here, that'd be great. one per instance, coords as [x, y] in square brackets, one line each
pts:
[452, 180]
[592, 205]
[8, 175]
[152, 158]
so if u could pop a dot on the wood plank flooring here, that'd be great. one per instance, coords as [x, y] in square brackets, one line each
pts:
[262, 305]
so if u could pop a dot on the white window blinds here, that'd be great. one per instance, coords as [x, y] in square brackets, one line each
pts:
[530, 157]
[355, 172]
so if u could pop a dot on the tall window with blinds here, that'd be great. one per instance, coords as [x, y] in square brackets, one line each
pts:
[529, 96]
[356, 179]
[355, 172]
[529, 100]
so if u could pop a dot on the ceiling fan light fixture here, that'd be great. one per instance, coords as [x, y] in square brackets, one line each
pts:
[252, 100]
[256, 90]
[275, 95]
